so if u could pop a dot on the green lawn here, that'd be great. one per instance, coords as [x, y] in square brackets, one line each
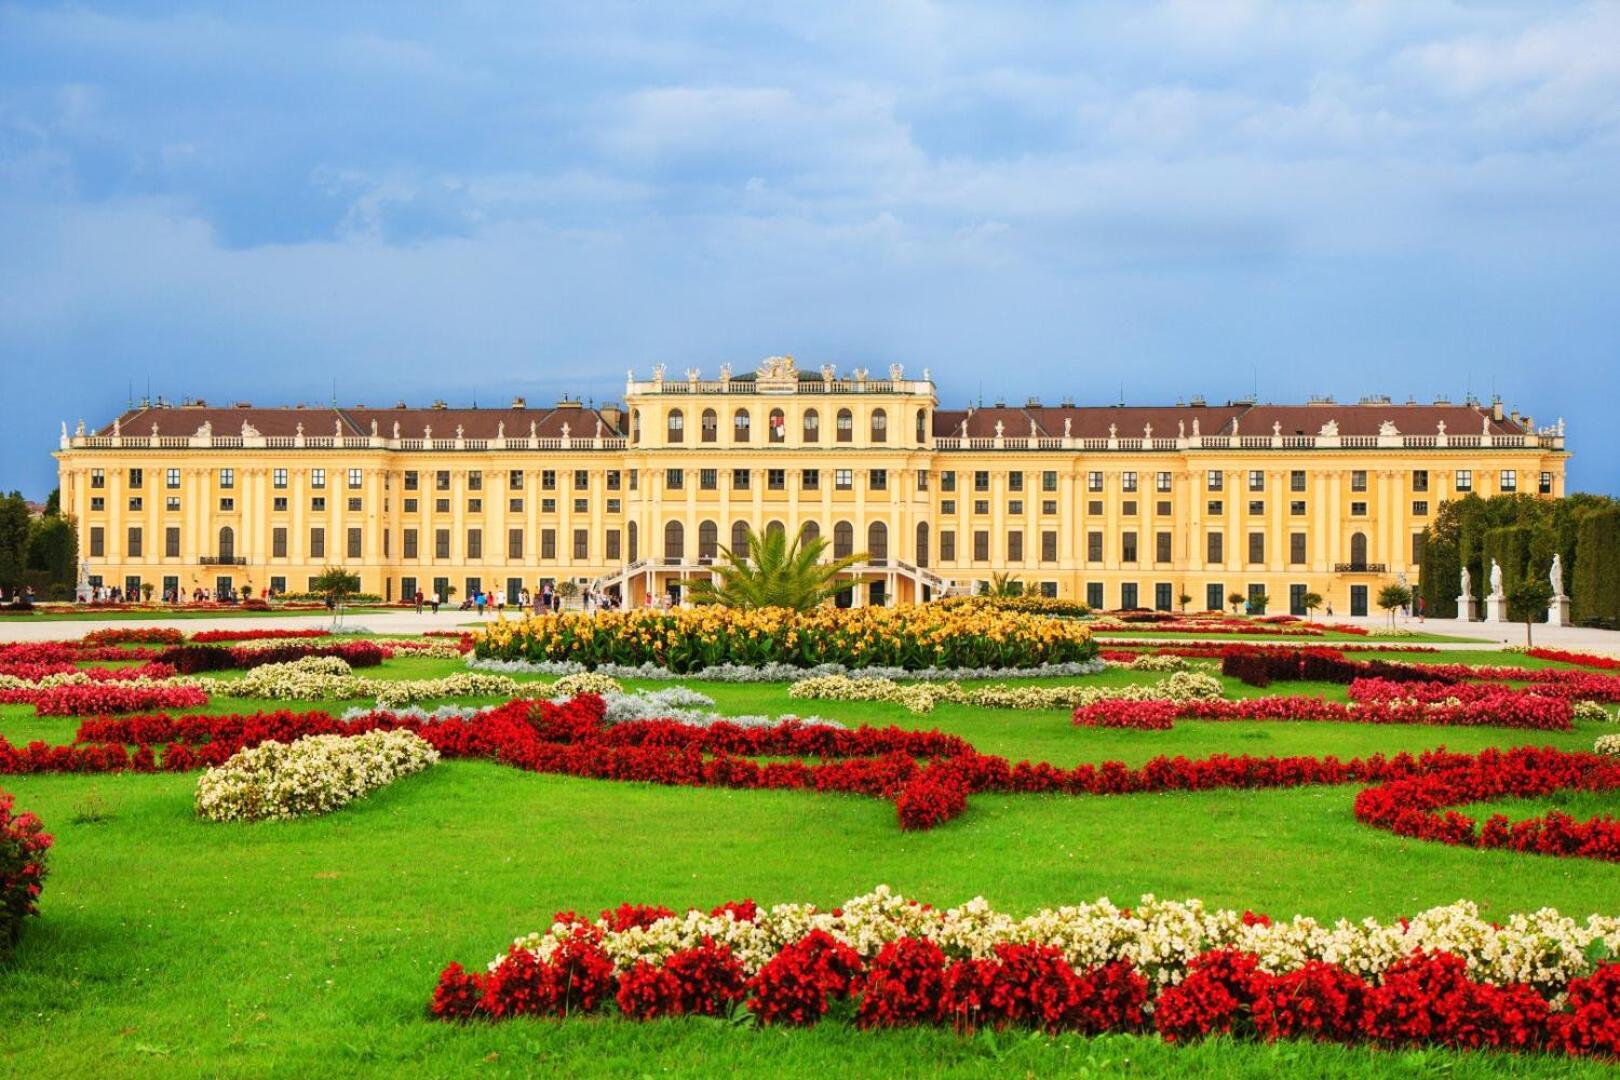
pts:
[169, 945]
[139, 614]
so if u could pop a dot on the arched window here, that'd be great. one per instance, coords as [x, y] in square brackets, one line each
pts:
[880, 426]
[846, 425]
[631, 541]
[708, 540]
[774, 527]
[1358, 550]
[778, 432]
[812, 426]
[843, 539]
[739, 539]
[877, 541]
[922, 543]
[674, 541]
[922, 425]
[227, 542]
[635, 426]
[677, 426]
[711, 426]
[739, 424]
[809, 531]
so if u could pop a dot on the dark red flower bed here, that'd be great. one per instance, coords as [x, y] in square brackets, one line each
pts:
[195, 659]
[1562, 656]
[1484, 706]
[96, 699]
[1262, 667]
[23, 847]
[1426, 999]
[134, 635]
[203, 637]
[1416, 805]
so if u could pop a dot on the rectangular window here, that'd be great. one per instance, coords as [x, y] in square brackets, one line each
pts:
[475, 506]
[613, 506]
[1214, 597]
[1358, 509]
[776, 479]
[1094, 546]
[1257, 547]
[355, 478]
[1049, 506]
[137, 477]
[1420, 479]
[548, 506]
[514, 543]
[227, 478]
[1015, 506]
[548, 543]
[475, 543]
[1015, 481]
[582, 545]
[317, 478]
[278, 542]
[548, 479]
[1094, 481]
[1420, 508]
[922, 479]
[1015, 545]
[98, 541]
[1215, 480]
[843, 479]
[1127, 546]
[1049, 589]
[227, 504]
[134, 550]
[1162, 507]
[409, 543]
[1215, 507]
[582, 506]
[708, 479]
[1296, 548]
[947, 506]
[1358, 480]
[1049, 546]
[1215, 548]
[1094, 595]
[1162, 482]
[441, 543]
[514, 480]
[440, 506]
[1417, 549]
[1296, 508]
[1510, 480]
[582, 480]
[1257, 506]
[1257, 480]
[135, 502]
[171, 479]
[410, 480]
[674, 479]
[947, 546]
[613, 479]
[354, 505]
[278, 479]
[1161, 547]
[171, 542]
[1465, 480]
[1128, 597]
[981, 480]
[877, 479]
[1546, 483]
[475, 479]
[1127, 481]
[1296, 480]
[514, 506]
[354, 543]
[810, 480]
[1049, 480]
[981, 546]
[612, 544]
[1164, 596]
[317, 542]
[947, 480]
[277, 503]
[741, 479]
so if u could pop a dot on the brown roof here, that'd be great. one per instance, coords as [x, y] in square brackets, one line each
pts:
[1369, 419]
[177, 420]
[1089, 422]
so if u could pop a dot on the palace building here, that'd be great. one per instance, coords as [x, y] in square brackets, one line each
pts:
[1118, 506]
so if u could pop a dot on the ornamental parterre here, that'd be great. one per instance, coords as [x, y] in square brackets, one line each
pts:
[1444, 977]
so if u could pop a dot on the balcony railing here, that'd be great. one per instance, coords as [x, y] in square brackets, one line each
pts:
[1360, 568]
[223, 560]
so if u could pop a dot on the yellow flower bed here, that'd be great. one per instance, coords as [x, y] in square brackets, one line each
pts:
[914, 637]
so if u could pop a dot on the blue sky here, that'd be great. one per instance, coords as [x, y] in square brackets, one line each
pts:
[477, 200]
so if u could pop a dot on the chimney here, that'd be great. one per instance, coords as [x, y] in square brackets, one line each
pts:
[1496, 410]
[611, 415]
[519, 403]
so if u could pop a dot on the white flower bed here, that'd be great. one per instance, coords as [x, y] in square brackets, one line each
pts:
[1593, 710]
[80, 678]
[742, 673]
[1607, 744]
[1180, 687]
[327, 678]
[312, 775]
[1544, 948]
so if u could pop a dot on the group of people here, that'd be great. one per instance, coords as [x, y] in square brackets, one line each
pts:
[547, 600]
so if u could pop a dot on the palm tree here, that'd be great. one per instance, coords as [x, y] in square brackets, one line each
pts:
[1003, 585]
[776, 573]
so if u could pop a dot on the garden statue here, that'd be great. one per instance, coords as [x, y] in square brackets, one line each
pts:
[1467, 583]
[1556, 576]
[1496, 578]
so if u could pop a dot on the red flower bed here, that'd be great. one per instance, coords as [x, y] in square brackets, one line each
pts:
[1262, 667]
[134, 635]
[1415, 805]
[107, 697]
[1562, 656]
[1426, 999]
[195, 659]
[1491, 707]
[23, 847]
[217, 636]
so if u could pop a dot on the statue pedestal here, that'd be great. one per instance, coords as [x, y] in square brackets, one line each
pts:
[1496, 608]
[1558, 612]
[1467, 607]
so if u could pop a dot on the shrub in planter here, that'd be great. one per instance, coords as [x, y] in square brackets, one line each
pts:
[23, 844]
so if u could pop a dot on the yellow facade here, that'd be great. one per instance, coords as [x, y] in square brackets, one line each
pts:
[1112, 505]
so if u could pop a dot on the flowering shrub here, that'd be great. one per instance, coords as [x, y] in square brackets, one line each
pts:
[911, 637]
[313, 775]
[1496, 707]
[1182, 686]
[95, 698]
[1592, 711]
[134, 635]
[587, 682]
[1442, 977]
[319, 678]
[1607, 744]
[23, 847]
[216, 636]
[772, 671]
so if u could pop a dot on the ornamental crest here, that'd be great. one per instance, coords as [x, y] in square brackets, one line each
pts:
[777, 373]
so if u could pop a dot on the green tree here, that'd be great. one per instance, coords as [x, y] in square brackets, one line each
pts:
[1595, 583]
[53, 553]
[13, 540]
[1311, 601]
[338, 585]
[1003, 585]
[1394, 596]
[772, 571]
[1235, 599]
[1527, 601]
[1258, 602]
[53, 503]
[1184, 599]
